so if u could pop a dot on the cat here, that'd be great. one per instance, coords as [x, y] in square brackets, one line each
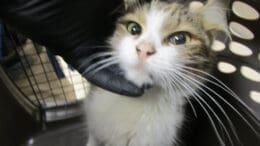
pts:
[163, 46]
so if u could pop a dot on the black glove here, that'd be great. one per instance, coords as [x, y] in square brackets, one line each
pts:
[71, 28]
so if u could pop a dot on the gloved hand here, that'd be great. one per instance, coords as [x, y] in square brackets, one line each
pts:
[71, 28]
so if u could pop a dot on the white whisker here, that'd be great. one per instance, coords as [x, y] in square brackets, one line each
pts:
[225, 101]
[104, 66]
[101, 62]
[225, 88]
[100, 54]
[95, 56]
[99, 46]
[220, 84]
[192, 80]
[194, 94]
[173, 71]
[175, 84]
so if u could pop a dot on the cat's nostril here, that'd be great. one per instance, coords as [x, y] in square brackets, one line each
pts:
[145, 50]
[150, 52]
[137, 49]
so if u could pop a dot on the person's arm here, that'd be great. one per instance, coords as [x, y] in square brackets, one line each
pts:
[72, 29]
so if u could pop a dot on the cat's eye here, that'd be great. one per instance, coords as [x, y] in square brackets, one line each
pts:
[134, 28]
[179, 38]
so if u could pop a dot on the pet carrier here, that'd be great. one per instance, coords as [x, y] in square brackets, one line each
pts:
[49, 89]
[239, 60]
[46, 86]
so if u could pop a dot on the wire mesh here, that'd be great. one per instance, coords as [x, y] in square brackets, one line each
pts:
[44, 79]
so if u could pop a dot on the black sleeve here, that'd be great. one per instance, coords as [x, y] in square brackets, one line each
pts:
[71, 28]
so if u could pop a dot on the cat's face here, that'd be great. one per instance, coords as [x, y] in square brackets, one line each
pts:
[155, 42]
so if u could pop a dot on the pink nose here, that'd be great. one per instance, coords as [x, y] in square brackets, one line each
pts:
[144, 50]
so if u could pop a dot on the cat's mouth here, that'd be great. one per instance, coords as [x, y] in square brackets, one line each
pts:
[141, 77]
[147, 86]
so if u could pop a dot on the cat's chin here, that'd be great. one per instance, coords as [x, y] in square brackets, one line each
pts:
[139, 78]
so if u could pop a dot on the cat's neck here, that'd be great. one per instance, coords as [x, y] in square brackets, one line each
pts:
[157, 96]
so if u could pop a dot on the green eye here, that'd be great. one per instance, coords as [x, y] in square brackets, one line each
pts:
[179, 38]
[134, 28]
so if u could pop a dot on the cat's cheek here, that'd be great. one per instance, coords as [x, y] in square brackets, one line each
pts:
[128, 61]
[127, 53]
[168, 56]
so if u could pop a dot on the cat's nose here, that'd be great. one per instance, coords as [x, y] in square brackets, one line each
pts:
[145, 50]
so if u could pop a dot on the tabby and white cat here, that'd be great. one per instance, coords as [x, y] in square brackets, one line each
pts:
[165, 44]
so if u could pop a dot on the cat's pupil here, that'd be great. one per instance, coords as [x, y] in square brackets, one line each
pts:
[179, 38]
[134, 28]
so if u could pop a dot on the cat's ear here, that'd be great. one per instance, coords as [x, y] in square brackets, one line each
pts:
[131, 4]
[213, 15]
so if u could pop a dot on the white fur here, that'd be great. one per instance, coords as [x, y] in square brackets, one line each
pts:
[150, 120]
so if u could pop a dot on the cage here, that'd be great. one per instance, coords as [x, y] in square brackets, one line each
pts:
[51, 90]
[46, 86]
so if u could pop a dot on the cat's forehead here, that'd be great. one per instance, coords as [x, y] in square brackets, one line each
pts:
[164, 16]
[141, 12]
